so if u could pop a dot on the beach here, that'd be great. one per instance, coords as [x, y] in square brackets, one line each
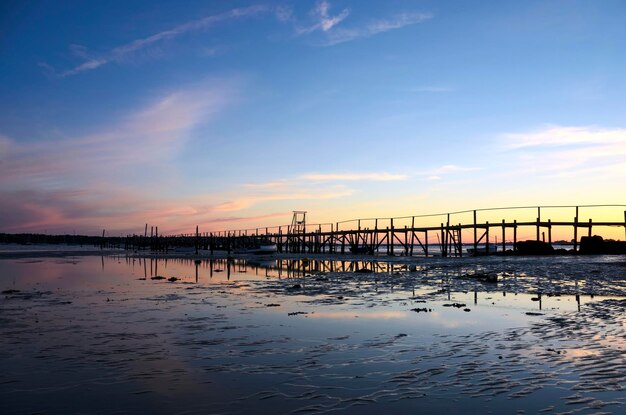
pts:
[290, 334]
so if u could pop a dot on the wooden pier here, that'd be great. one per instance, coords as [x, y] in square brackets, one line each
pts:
[384, 236]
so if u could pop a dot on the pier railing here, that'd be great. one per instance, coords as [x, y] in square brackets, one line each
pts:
[445, 234]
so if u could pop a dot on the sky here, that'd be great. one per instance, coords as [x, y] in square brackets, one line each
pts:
[232, 114]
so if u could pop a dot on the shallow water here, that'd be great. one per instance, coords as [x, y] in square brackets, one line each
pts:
[99, 334]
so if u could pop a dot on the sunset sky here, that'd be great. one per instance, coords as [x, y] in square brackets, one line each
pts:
[231, 114]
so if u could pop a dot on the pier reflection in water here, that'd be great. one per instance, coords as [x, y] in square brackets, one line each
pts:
[239, 336]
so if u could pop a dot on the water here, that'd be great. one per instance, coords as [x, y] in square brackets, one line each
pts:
[99, 334]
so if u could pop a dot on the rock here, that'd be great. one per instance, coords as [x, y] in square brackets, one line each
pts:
[173, 279]
[534, 248]
[594, 245]
[456, 305]
[158, 277]
[467, 310]
[295, 287]
[10, 291]
[272, 305]
[421, 310]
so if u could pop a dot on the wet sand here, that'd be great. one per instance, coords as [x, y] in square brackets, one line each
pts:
[84, 334]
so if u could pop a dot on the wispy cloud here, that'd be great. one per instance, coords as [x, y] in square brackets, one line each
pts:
[310, 194]
[341, 35]
[382, 176]
[121, 52]
[323, 20]
[84, 181]
[569, 150]
[437, 173]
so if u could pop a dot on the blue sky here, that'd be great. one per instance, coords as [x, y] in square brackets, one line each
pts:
[230, 114]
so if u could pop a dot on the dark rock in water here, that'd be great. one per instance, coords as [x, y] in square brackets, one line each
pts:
[10, 291]
[173, 279]
[535, 299]
[421, 310]
[158, 277]
[363, 271]
[594, 245]
[456, 305]
[534, 248]
[412, 267]
[532, 313]
[491, 278]
[295, 313]
[467, 310]
[295, 287]
[272, 305]
[321, 279]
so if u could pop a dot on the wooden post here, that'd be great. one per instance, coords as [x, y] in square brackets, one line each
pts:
[426, 243]
[503, 236]
[443, 248]
[412, 233]
[475, 234]
[576, 231]
[538, 220]
[391, 239]
[487, 236]
[515, 235]
[589, 233]
[550, 231]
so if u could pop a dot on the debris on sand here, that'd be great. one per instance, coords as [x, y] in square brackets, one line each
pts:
[483, 277]
[456, 305]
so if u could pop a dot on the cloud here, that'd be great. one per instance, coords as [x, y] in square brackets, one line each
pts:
[121, 52]
[309, 194]
[560, 136]
[323, 20]
[341, 35]
[383, 176]
[83, 181]
[569, 150]
[437, 172]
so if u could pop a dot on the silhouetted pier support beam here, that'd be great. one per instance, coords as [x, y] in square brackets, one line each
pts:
[197, 242]
[487, 250]
[538, 221]
[550, 231]
[503, 236]
[442, 242]
[475, 233]
[576, 231]
[589, 233]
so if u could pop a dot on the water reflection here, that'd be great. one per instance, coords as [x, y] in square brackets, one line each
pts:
[246, 336]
